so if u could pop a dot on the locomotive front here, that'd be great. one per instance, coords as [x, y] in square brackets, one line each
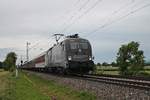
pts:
[79, 55]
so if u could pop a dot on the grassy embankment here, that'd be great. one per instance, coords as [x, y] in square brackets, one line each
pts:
[115, 70]
[31, 87]
[4, 85]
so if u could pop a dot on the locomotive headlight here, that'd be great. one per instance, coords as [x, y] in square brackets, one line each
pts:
[90, 58]
[69, 58]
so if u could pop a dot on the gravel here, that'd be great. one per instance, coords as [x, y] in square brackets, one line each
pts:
[102, 91]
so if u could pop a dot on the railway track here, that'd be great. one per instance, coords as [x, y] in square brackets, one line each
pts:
[129, 82]
[101, 86]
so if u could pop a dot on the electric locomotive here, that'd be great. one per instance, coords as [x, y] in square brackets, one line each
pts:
[72, 55]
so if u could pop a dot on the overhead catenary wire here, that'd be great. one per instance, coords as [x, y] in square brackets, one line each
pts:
[84, 5]
[122, 7]
[38, 47]
[119, 19]
[108, 17]
[66, 13]
[75, 14]
[94, 5]
[115, 12]
[34, 45]
[126, 5]
[80, 16]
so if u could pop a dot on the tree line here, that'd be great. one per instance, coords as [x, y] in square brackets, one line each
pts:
[9, 63]
[113, 64]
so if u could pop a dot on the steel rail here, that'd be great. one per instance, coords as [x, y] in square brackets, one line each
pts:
[140, 84]
[132, 83]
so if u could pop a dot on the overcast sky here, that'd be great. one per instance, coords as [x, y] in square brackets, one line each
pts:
[107, 24]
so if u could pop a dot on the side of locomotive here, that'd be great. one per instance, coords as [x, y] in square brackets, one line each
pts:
[55, 58]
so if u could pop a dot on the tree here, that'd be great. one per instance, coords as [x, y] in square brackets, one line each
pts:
[98, 64]
[105, 64]
[1, 64]
[130, 59]
[10, 61]
[113, 64]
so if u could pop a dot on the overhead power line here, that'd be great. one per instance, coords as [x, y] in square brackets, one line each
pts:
[84, 5]
[115, 12]
[66, 13]
[122, 7]
[84, 13]
[34, 46]
[75, 14]
[120, 18]
[93, 6]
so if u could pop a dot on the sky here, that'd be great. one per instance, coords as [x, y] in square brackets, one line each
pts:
[107, 24]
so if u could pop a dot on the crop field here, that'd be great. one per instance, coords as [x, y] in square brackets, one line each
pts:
[107, 70]
[115, 70]
[30, 87]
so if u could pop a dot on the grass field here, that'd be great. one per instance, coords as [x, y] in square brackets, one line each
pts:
[30, 87]
[108, 72]
[115, 70]
[4, 85]
[1, 70]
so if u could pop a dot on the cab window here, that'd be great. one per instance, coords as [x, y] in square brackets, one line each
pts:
[84, 45]
[74, 45]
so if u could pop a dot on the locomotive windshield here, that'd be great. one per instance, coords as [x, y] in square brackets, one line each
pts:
[84, 45]
[76, 45]
[73, 45]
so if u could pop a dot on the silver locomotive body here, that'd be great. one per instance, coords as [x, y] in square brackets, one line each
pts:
[74, 54]
[71, 55]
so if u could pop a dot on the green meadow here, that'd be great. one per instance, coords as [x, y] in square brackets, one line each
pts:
[31, 87]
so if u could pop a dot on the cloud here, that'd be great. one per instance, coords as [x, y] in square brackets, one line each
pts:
[36, 20]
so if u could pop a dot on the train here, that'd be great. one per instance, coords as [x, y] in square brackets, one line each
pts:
[72, 55]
